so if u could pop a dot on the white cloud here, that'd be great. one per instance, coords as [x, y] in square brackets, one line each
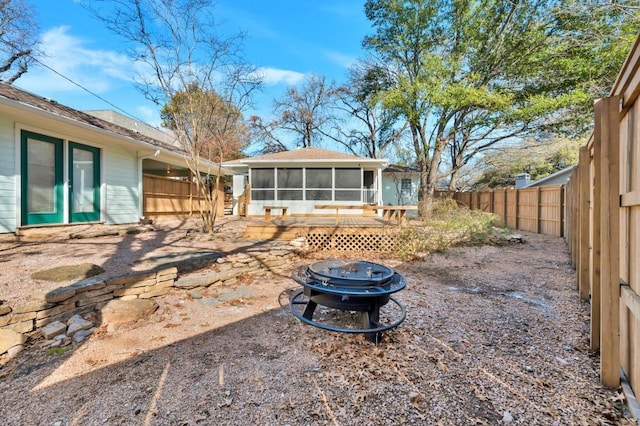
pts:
[66, 55]
[273, 76]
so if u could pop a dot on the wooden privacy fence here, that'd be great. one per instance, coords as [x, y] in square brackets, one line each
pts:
[538, 209]
[598, 213]
[601, 247]
[603, 223]
[175, 198]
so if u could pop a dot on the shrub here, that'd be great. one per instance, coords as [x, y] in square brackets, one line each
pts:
[450, 225]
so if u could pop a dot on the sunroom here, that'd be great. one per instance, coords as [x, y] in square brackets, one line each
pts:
[307, 182]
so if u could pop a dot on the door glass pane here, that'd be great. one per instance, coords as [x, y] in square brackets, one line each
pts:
[41, 176]
[82, 184]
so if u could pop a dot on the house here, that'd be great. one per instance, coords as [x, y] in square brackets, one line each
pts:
[560, 177]
[59, 165]
[400, 185]
[307, 181]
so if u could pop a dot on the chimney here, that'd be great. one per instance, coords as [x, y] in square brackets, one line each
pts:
[522, 180]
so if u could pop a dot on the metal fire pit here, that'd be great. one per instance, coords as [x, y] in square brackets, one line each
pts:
[355, 286]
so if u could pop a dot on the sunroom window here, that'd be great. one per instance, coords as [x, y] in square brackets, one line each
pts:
[289, 184]
[262, 184]
[348, 185]
[319, 184]
[312, 184]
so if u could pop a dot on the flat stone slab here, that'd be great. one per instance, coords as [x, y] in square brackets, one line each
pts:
[9, 339]
[185, 261]
[68, 272]
[123, 312]
[53, 329]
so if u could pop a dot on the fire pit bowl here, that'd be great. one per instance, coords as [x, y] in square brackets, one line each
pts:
[354, 286]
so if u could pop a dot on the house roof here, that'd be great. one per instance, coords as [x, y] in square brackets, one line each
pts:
[395, 168]
[50, 106]
[14, 97]
[306, 155]
[562, 176]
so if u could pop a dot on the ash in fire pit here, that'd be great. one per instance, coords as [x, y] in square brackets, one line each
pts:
[357, 286]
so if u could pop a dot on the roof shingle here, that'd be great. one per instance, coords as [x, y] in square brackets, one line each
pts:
[13, 93]
[307, 154]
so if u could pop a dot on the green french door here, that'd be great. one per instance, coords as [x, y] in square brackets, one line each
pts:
[84, 182]
[42, 179]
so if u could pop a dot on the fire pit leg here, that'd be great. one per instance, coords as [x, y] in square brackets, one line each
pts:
[371, 319]
[309, 309]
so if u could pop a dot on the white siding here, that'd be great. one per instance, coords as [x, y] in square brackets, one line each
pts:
[7, 176]
[120, 174]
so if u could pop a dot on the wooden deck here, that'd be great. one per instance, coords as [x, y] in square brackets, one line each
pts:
[294, 227]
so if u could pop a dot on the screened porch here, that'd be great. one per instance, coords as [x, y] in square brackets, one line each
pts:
[309, 190]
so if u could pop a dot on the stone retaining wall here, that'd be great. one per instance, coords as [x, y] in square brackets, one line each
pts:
[92, 294]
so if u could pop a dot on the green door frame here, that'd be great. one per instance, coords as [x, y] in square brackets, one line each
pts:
[94, 214]
[56, 215]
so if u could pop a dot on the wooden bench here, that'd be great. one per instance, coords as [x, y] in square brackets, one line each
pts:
[338, 207]
[267, 212]
[389, 212]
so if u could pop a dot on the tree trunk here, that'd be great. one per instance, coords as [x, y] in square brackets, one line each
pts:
[453, 182]
[428, 177]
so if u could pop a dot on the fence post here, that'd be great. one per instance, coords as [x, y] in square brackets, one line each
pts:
[517, 212]
[538, 209]
[491, 198]
[584, 244]
[504, 206]
[595, 180]
[610, 241]
[563, 210]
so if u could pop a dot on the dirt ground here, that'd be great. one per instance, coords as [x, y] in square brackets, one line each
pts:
[493, 335]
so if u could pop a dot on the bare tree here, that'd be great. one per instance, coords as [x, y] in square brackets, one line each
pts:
[18, 39]
[303, 112]
[177, 42]
[370, 129]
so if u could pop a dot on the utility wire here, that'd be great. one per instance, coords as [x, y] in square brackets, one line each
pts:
[91, 93]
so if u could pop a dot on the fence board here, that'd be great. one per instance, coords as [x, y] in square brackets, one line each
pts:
[584, 220]
[551, 211]
[178, 198]
[610, 242]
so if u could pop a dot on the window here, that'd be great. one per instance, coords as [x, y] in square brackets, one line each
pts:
[319, 184]
[312, 184]
[348, 178]
[289, 184]
[262, 178]
[263, 184]
[406, 190]
[348, 185]
[289, 178]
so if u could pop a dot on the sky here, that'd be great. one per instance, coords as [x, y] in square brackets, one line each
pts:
[286, 39]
